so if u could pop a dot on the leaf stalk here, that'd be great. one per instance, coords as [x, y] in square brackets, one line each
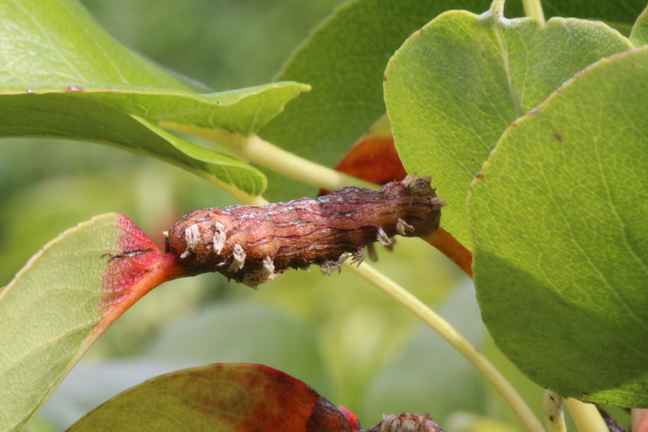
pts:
[554, 413]
[586, 417]
[533, 9]
[260, 152]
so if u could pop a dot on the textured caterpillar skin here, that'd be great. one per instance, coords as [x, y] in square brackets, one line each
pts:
[406, 422]
[302, 232]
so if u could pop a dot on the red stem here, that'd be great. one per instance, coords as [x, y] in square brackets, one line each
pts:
[452, 248]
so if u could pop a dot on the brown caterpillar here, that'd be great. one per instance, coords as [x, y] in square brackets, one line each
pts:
[251, 244]
[406, 422]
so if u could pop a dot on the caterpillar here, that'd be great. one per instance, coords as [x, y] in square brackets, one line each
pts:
[252, 244]
[406, 422]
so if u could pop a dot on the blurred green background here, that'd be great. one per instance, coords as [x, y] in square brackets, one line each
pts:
[338, 333]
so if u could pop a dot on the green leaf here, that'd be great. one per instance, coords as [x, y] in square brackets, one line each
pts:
[455, 85]
[47, 313]
[65, 77]
[62, 300]
[639, 34]
[344, 61]
[220, 397]
[58, 116]
[560, 229]
[345, 58]
[55, 43]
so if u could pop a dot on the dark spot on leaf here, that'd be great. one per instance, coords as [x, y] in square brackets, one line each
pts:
[128, 254]
[557, 136]
[551, 419]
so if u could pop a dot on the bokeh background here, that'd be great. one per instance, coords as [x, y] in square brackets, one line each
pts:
[338, 333]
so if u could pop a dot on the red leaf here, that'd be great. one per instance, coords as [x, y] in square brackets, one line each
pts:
[373, 158]
[236, 397]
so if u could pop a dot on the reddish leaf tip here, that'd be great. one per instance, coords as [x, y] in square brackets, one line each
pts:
[137, 266]
[350, 417]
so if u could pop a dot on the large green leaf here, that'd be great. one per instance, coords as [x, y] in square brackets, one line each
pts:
[559, 220]
[221, 397]
[453, 87]
[63, 76]
[62, 300]
[345, 58]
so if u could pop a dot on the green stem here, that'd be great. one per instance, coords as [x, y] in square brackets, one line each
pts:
[533, 9]
[553, 410]
[456, 340]
[497, 8]
[260, 152]
[586, 417]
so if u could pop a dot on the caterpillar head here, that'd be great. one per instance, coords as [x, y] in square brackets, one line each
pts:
[201, 237]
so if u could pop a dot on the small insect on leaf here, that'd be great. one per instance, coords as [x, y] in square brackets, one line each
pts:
[252, 244]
